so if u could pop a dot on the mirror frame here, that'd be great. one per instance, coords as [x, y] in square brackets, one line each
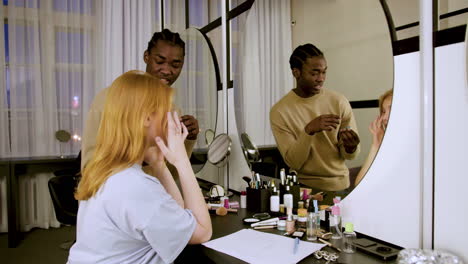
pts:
[225, 156]
[217, 87]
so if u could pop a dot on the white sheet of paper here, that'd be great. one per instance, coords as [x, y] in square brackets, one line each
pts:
[259, 247]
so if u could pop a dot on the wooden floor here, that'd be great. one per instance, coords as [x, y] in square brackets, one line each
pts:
[38, 246]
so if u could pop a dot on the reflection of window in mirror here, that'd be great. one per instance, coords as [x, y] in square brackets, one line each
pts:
[377, 129]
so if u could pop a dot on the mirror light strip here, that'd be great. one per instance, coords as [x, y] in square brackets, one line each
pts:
[427, 133]
[224, 25]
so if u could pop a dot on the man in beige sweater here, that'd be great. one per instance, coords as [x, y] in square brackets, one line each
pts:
[164, 59]
[314, 128]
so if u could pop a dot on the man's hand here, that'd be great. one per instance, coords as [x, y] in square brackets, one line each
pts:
[323, 122]
[349, 138]
[192, 126]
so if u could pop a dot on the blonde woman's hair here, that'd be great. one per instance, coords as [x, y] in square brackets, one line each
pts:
[121, 138]
[383, 97]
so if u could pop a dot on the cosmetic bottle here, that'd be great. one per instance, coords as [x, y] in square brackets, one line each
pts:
[282, 176]
[349, 237]
[301, 218]
[288, 198]
[300, 205]
[282, 184]
[335, 223]
[243, 199]
[310, 206]
[274, 201]
[290, 223]
[312, 226]
[294, 180]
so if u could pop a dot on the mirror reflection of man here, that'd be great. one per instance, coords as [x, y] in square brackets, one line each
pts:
[314, 128]
[164, 59]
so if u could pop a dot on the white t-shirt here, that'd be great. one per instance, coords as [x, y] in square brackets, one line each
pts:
[131, 219]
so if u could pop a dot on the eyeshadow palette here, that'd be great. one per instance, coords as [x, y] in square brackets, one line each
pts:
[382, 251]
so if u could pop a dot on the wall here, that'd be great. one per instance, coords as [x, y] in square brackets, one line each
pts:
[451, 214]
[387, 202]
[405, 12]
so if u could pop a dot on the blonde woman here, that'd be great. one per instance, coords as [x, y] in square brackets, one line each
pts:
[125, 215]
[377, 129]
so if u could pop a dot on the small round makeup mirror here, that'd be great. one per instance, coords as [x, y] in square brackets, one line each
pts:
[219, 150]
[62, 135]
[209, 136]
[250, 150]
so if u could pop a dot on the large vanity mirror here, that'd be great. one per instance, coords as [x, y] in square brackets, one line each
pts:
[196, 90]
[355, 40]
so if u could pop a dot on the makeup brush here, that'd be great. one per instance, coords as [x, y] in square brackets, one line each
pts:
[247, 179]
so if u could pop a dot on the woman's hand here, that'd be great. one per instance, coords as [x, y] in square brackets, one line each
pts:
[377, 131]
[174, 151]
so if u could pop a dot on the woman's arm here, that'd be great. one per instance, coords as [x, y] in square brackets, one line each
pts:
[164, 176]
[175, 153]
[377, 135]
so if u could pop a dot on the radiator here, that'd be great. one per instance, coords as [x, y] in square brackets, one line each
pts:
[35, 205]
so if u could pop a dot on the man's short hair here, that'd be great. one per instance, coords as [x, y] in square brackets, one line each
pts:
[301, 53]
[166, 35]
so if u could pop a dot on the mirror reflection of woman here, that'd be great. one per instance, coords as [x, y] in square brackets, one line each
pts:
[377, 129]
[126, 215]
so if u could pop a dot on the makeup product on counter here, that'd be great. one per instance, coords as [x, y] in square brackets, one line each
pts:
[283, 176]
[226, 203]
[250, 220]
[281, 225]
[329, 244]
[312, 227]
[301, 218]
[271, 221]
[221, 200]
[221, 211]
[265, 227]
[274, 201]
[288, 198]
[297, 234]
[294, 180]
[300, 204]
[349, 237]
[335, 220]
[305, 195]
[290, 222]
[243, 199]
[282, 210]
[247, 179]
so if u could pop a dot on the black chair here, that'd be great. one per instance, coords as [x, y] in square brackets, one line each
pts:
[62, 189]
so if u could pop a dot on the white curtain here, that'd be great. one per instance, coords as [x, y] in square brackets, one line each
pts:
[174, 15]
[51, 68]
[125, 27]
[264, 62]
[51, 51]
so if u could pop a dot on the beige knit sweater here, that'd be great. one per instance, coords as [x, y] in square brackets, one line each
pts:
[319, 159]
